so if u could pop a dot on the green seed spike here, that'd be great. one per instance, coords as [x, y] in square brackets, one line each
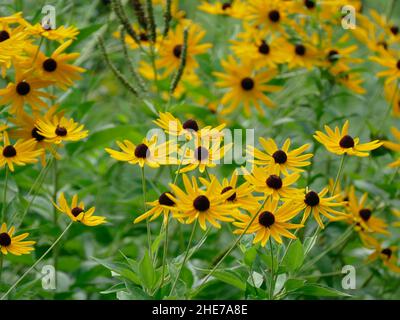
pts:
[119, 11]
[182, 63]
[167, 18]
[150, 21]
[139, 12]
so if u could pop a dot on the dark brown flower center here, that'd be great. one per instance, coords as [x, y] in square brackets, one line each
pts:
[141, 151]
[143, 37]
[309, 4]
[4, 35]
[266, 219]
[165, 201]
[264, 48]
[300, 50]
[201, 154]
[274, 15]
[384, 44]
[226, 5]
[247, 83]
[49, 65]
[5, 239]
[191, 124]
[36, 135]
[387, 252]
[177, 51]
[76, 211]
[365, 214]
[333, 56]
[9, 151]
[279, 156]
[23, 88]
[274, 182]
[311, 199]
[394, 30]
[346, 142]
[226, 189]
[398, 64]
[61, 131]
[201, 203]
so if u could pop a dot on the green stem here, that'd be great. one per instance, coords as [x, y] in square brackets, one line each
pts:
[145, 209]
[272, 283]
[165, 252]
[37, 261]
[55, 213]
[185, 257]
[338, 174]
[3, 209]
[1, 265]
[37, 51]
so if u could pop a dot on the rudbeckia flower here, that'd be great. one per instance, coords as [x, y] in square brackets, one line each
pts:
[316, 204]
[201, 205]
[394, 146]
[60, 34]
[245, 84]
[392, 96]
[280, 159]
[57, 129]
[142, 35]
[20, 153]
[348, 78]
[301, 55]
[392, 63]
[340, 142]
[387, 254]
[9, 243]
[271, 221]
[76, 212]
[235, 8]
[271, 184]
[147, 152]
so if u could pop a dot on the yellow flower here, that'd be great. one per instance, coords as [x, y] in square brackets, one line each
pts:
[25, 90]
[340, 142]
[392, 64]
[76, 212]
[392, 96]
[271, 184]
[302, 54]
[9, 243]
[348, 78]
[147, 152]
[20, 153]
[397, 214]
[60, 34]
[201, 205]
[58, 129]
[170, 48]
[272, 220]
[235, 9]
[245, 84]
[394, 146]
[317, 204]
[280, 160]
[388, 255]
[142, 37]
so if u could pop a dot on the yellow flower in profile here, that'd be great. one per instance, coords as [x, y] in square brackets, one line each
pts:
[392, 96]
[362, 214]
[301, 54]
[245, 84]
[348, 78]
[242, 195]
[202, 154]
[56, 67]
[188, 129]
[163, 205]
[25, 90]
[387, 254]
[201, 205]
[280, 159]
[340, 142]
[12, 43]
[20, 153]
[170, 48]
[271, 221]
[271, 184]
[9, 243]
[392, 63]
[317, 204]
[394, 146]
[142, 35]
[147, 152]
[76, 212]
[59, 34]
[235, 9]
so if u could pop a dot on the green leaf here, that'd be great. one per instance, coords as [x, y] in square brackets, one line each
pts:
[295, 256]
[317, 290]
[250, 255]
[294, 284]
[231, 278]
[120, 269]
[147, 271]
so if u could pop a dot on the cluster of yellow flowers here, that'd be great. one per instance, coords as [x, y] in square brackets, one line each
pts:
[32, 123]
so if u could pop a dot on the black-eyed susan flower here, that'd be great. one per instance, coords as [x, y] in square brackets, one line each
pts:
[142, 36]
[301, 54]
[10, 243]
[58, 128]
[235, 8]
[271, 184]
[392, 96]
[387, 254]
[394, 146]
[59, 34]
[202, 205]
[246, 84]
[280, 159]
[349, 79]
[340, 142]
[20, 153]
[242, 195]
[76, 212]
[363, 214]
[392, 63]
[271, 221]
[148, 152]
[57, 67]
[316, 204]
[162, 206]
[202, 154]
[25, 90]
[170, 48]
